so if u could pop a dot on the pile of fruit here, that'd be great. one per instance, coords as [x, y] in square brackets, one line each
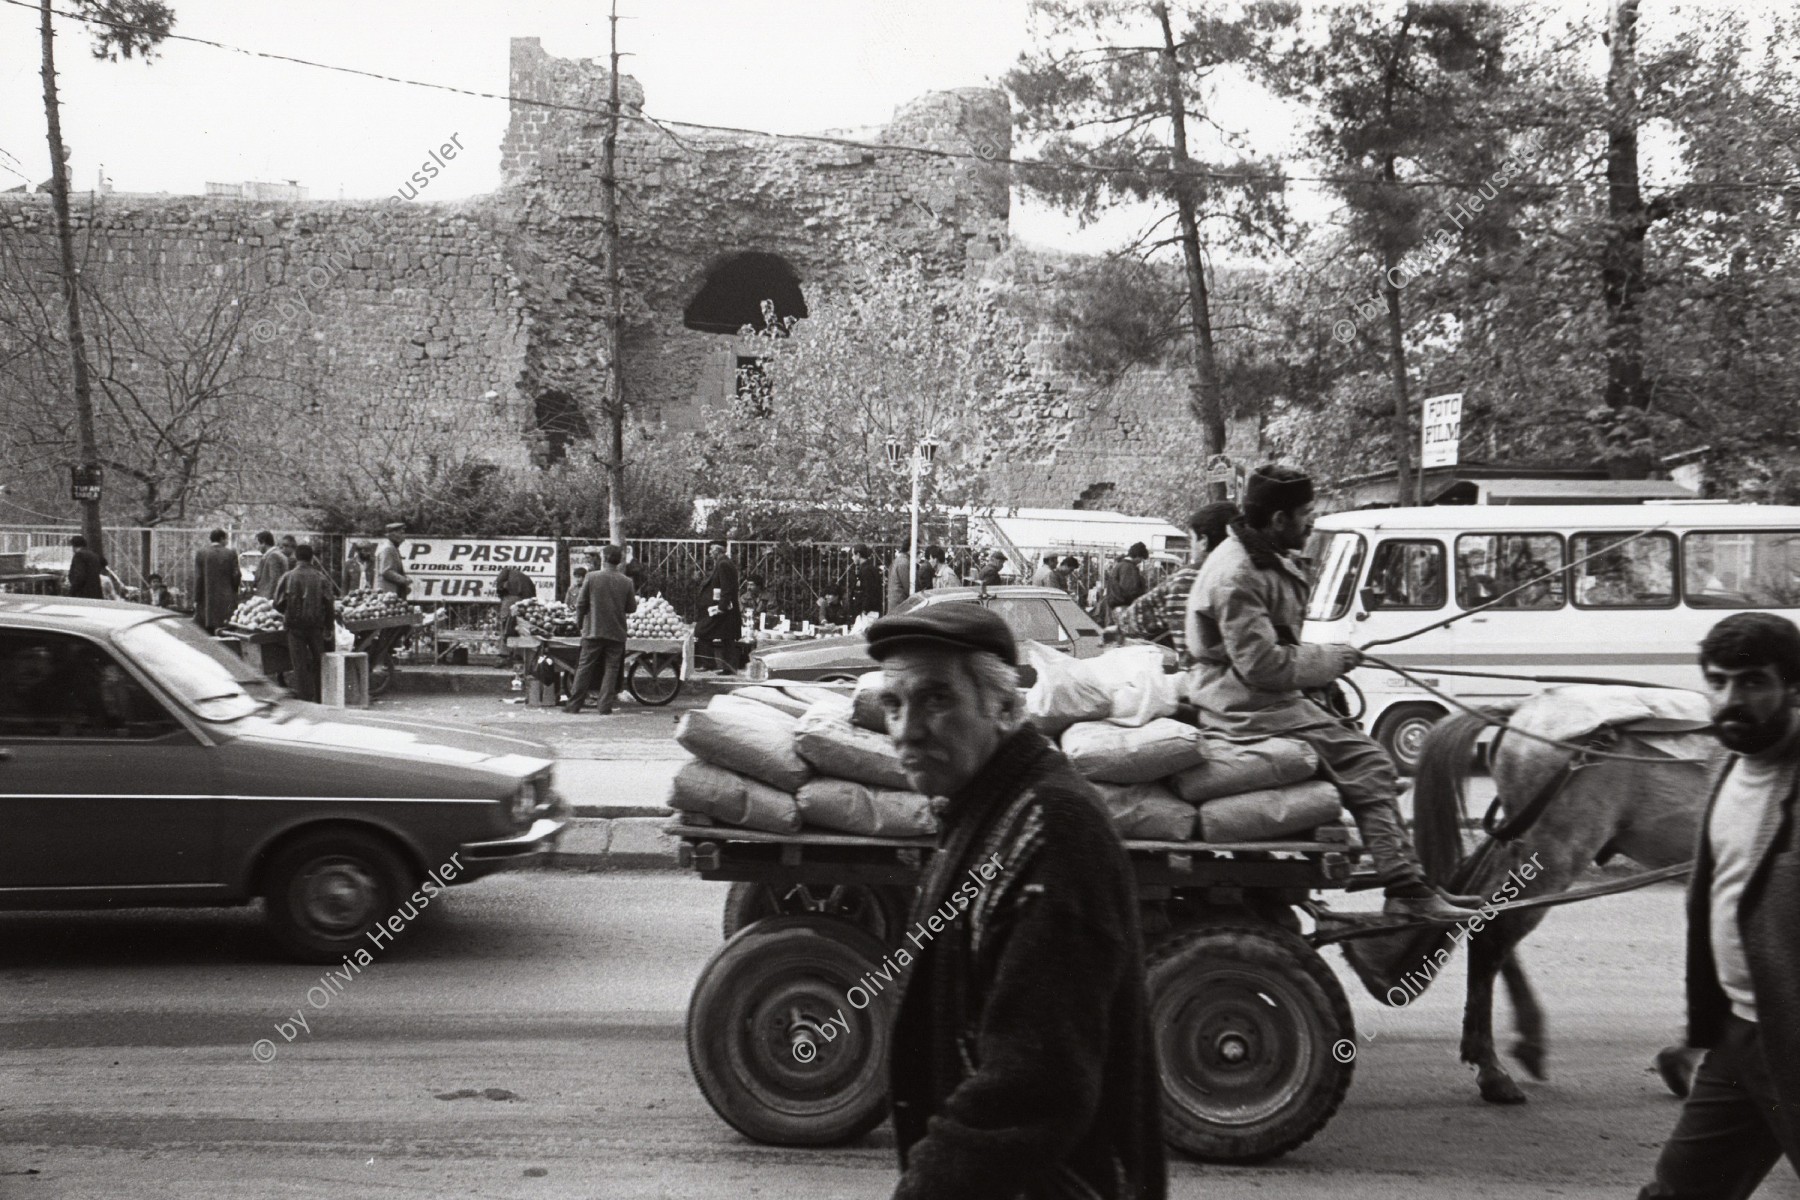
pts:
[257, 615]
[655, 618]
[366, 605]
[546, 618]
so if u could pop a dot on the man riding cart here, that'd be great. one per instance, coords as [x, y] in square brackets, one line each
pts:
[1255, 678]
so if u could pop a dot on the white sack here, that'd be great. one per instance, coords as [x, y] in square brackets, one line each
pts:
[1147, 810]
[1233, 767]
[748, 737]
[1063, 693]
[725, 796]
[826, 739]
[866, 711]
[1277, 812]
[1134, 754]
[1133, 676]
[849, 807]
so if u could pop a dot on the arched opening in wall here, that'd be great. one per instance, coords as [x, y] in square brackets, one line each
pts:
[559, 422]
[735, 288]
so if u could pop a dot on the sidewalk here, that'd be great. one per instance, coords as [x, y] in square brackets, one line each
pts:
[615, 770]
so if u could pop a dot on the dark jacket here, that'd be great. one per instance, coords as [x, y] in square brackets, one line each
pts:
[719, 591]
[602, 603]
[1768, 915]
[85, 571]
[865, 588]
[216, 583]
[1023, 1062]
[1124, 582]
[303, 596]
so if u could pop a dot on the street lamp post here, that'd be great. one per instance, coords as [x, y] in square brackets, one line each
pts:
[924, 452]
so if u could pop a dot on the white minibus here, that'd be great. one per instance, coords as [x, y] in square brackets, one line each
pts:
[1584, 600]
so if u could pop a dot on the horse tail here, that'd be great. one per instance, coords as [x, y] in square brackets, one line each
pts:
[1438, 789]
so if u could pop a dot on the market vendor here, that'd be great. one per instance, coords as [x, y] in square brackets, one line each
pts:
[716, 632]
[303, 596]
[390, 571]
[831, 607]
[512, 585]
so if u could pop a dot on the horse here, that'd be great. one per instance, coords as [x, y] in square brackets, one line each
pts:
[1645, 804]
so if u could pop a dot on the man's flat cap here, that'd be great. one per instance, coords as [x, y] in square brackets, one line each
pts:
[960, 625]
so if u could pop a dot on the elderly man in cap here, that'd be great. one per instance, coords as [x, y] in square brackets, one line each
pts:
[1254, 676]
[1023, 1061]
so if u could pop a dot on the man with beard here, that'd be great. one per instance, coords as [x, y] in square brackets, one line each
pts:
[1022, 1063]
[1254, 676]
[1743, 981]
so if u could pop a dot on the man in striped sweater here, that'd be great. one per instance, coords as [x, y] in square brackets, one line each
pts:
[1023, 1063]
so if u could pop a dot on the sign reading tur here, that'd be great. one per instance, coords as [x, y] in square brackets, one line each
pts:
[1441, 431]
[462, 570]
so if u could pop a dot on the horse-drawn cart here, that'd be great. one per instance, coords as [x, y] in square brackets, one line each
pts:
[1250, 1021]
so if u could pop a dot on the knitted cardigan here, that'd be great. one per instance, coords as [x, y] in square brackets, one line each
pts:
[1023, 1061]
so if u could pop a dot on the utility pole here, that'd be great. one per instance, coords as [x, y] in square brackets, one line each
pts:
[615, 297]
[86, 442]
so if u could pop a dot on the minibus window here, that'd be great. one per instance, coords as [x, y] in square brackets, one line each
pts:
[1489, 565]
[1624, 572]
[1340, 557]
[1743, 569]
[1407, 574]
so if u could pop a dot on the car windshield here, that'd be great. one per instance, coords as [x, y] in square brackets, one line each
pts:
[206, 677]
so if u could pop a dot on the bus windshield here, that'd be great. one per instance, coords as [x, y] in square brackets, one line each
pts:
[1339, 557]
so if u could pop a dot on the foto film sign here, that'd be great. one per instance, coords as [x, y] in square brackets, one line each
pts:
[462, 570]
[1441, 431]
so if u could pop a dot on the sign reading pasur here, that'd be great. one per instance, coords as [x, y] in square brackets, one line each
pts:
[462, 570]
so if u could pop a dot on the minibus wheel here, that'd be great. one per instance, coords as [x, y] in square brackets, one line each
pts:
[1401, 732]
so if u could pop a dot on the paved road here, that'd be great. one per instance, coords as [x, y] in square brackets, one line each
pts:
[126, 1064]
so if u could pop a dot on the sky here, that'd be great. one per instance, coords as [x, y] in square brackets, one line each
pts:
[199, 114]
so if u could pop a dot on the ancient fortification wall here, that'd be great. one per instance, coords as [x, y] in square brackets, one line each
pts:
[487, 318]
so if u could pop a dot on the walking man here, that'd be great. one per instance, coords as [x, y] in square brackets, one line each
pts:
[1023, 1062]
[1045, 575]
[303, 596]
[605, 600]
[1254, 672]
[216, 582]
[1743, 963]
[270, 567]
[943, 575]
[899, 580]
[86, 570]
[717, 631]
[390, 570]
[865, 584]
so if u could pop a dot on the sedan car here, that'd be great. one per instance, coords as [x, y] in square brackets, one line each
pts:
[143, 764]
[1039, 614]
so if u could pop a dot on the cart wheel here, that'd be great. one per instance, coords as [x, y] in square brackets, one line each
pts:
[1250, 1028]
[879, 912]
[653, 678]
[777, 1041]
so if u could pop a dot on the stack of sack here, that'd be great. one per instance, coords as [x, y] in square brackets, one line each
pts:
[778, 757]
[1163, 779]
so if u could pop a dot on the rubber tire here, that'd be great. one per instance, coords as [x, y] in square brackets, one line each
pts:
[303, 938]
[1196, 968]
[646, 692]
[807, 964]
[879, 912]
[1396, 729]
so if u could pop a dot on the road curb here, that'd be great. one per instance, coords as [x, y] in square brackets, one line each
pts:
[614, 844]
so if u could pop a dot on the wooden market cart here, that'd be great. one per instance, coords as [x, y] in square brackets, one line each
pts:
[377, 637]
[654, 668]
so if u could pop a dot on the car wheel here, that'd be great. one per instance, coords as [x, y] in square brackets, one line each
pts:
[1401, 732]
[326, 891]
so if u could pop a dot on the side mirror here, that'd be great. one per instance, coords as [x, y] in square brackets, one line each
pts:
[1371, 599]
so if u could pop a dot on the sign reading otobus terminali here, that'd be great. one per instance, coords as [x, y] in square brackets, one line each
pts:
[462, 570]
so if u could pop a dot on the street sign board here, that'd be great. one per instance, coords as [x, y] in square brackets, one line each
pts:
[462, 570]
[84, 481]
[1441, 431]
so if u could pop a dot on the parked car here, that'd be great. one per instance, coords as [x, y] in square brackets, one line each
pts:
[1040, 614]
[55, 560]
[141, 763]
